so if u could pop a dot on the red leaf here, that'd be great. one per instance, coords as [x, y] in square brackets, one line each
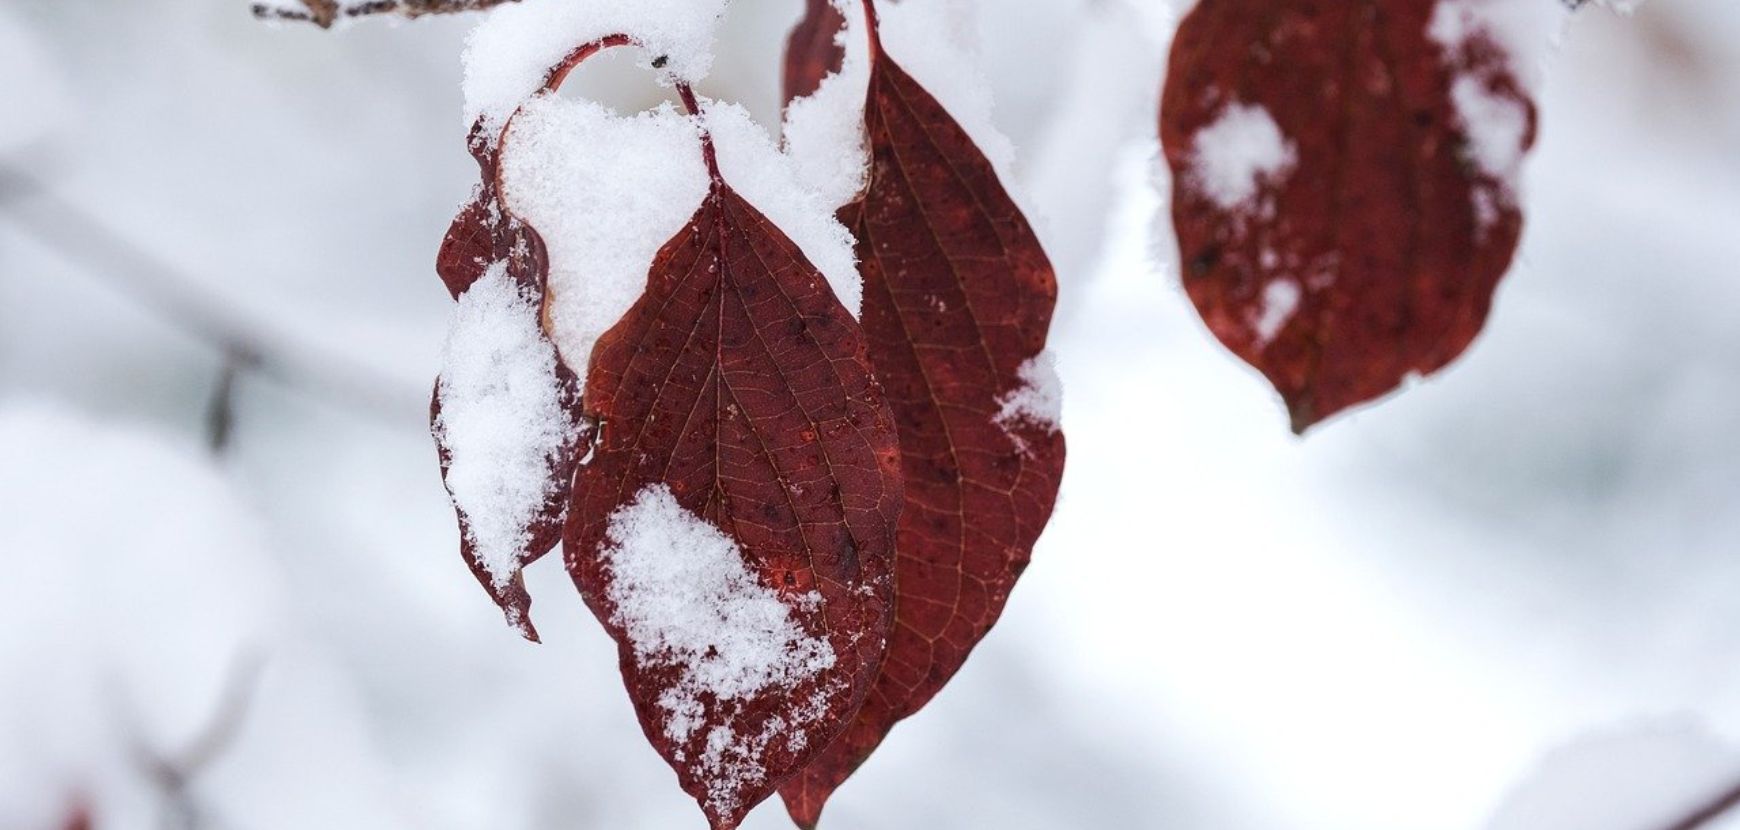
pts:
[746, 451]
[812, 52]
[485, 234]
[958, 296]
[1372, 252]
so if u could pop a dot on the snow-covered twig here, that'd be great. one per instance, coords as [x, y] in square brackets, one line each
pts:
[324, 13]
[1706, 815]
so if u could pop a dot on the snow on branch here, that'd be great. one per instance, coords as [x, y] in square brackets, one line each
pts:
[324, 13]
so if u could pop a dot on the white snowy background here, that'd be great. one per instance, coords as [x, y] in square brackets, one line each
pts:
[1508, 598]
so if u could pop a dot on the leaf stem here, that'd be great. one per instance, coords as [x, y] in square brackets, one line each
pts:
[873, 24]
[708, 151]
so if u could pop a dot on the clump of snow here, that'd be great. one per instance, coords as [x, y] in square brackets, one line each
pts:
[1232, 158]
[1528, 32]
[1038, 401]
[824, 131]
[754, 166]
[503, 420]
[1280, 302]
[1495, 121]
[508, 55]
[605, 193]
[1497, 126]
[686, 600]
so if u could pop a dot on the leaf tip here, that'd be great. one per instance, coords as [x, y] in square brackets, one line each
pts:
[1302, 416]
[805, 812]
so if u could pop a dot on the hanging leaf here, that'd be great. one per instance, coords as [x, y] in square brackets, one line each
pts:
[958, 296]
[1342, 186]
[813, 52]
[508, 450]
[734, 526]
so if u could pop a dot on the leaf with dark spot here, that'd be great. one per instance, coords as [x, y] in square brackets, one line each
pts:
[1374, 254]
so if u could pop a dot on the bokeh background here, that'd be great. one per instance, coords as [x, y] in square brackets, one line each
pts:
[1507, 598]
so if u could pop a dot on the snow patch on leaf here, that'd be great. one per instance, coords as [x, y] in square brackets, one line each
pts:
[1038, 401]
[768, 179]
[687, 601]
[1497, 52]
[1497, 125]
[605, 193]
[1280, 302]
[824, 131]
[503, 420]
[1237, 154]
[508, 56]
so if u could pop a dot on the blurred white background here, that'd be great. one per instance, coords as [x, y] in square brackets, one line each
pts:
[1508, 598]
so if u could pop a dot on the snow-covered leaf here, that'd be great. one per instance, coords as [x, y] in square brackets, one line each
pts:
[734, 525]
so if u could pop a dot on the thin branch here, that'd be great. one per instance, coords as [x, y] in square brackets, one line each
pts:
[173, 774]
[253, 343]
[220, 410]
[1717, 807]
[324, 13]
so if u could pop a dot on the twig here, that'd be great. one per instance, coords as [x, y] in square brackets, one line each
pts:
[174, 773]
[1708, 813]
[251, 343]
[324, 13]
[220, 411]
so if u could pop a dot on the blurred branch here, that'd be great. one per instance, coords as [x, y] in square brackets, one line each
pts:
[173, 774]
[1706, 815]
[324, 13]
[220, 411]
[247, 342]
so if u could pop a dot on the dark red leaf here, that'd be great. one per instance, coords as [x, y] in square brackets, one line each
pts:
[1375, 254]
[737, 392]
[812, 52]
[486, 233]
[958, 296]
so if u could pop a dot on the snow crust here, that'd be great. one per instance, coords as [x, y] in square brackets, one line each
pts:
[502, 419]
[1234, 156]
[687, 601]
[605, 193]
[508, 55]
